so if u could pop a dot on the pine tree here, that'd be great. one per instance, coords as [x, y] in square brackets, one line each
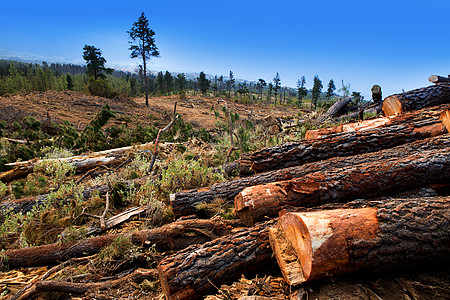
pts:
[230, 83]
[160, 82]
[203, 83]
[317, 89]
[261, 84]
[69, 80]
[302, 91]
[143, 46]
[331, 88]
[168, 80]
[180, 82]
[95, 63]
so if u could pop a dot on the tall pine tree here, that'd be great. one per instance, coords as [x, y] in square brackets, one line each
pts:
[317, 89]
[331, 88]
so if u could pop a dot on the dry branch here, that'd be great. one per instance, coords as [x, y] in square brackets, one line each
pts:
[397, 233]
[403, 129]
[386, 176]
[416, 99]
[174, 236]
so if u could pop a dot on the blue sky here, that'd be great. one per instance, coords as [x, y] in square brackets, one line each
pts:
[396, 44]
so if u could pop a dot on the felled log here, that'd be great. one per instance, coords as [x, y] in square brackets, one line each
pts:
[186, 202]
[416, 99]
[386, 176]
[173, 236]
[398, 233]
[439, 79]
[403, 129]
[445, 118]
[376, 94]
[195, 271]
[336, 108]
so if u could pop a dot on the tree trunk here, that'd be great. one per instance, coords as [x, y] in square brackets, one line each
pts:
[174, 236]
[416, 99]
[376, 94]
[197, 270]
[439, 79]
[445, 118]
[379, 178]
[398, 233]
[185, 202]
[403, 129]
[334, 110]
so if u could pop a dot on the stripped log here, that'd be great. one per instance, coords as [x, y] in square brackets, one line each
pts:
[422, 124]
[439, 79]
[397, 233]
[195, 271]
[367, 180]
[173, 236]
[186, 202]
[445, 118]
[416, 99]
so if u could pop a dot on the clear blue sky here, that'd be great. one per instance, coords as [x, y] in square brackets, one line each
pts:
[396, 44]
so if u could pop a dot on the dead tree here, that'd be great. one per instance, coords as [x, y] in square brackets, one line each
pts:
[368, 180]
[186, 202]
[398, 233]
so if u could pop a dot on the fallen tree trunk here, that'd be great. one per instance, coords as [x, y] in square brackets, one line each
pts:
[336, 108]
[439, 79]
[416, 99]
[195, 271]
[174, 236]
[186, 202]
[374, 108]
[398, 233]
[367, 180]
[422, 124]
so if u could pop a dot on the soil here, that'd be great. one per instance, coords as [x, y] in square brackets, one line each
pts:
[79, 109]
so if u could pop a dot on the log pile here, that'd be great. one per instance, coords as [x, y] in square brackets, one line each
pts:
[324, 206]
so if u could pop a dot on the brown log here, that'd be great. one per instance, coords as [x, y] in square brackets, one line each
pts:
[195, 271]
[386, 176]
[185, 202]
[398, 233]
[445, 118]
[336, 108]
[376, 94]
[403, 129]
[416, 99]
[174, 236]
[439, 79]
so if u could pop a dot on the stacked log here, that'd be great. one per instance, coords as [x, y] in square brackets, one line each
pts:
[403, 129]
[439, 79]
[397, 233]
[373, 179]
[445, 118]
[185, 203]
[416, 99]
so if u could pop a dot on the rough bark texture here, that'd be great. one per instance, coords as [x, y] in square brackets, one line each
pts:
[336, 108]
[397, 233]
[386, 176]
[185, 202]
[416, 99]
[426, 124]
[174, 236]
[195, 271]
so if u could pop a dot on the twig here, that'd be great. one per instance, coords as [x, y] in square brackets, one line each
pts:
[158, 136]
[101, 217]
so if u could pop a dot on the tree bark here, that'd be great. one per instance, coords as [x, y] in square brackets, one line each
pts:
[403, 129]
[416, 99]
[398, 233]
[376, 94]
[195, 271]
[439, 79]
[336, 108]
[174, 236]
[379, 178]
[185, 202]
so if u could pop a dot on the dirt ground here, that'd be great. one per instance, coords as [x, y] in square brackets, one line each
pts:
[79, 109]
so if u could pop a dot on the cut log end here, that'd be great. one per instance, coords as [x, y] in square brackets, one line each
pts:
[439, 79]
[318, 240]
[445, 118]
[392, 106]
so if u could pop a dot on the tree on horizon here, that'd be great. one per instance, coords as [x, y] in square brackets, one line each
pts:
[261, 84]
[276, 86]
[95, 63]
[331, 88]
[302, 91]
[203, 83]
[143, 46]
[317, 89]
[230, 83]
